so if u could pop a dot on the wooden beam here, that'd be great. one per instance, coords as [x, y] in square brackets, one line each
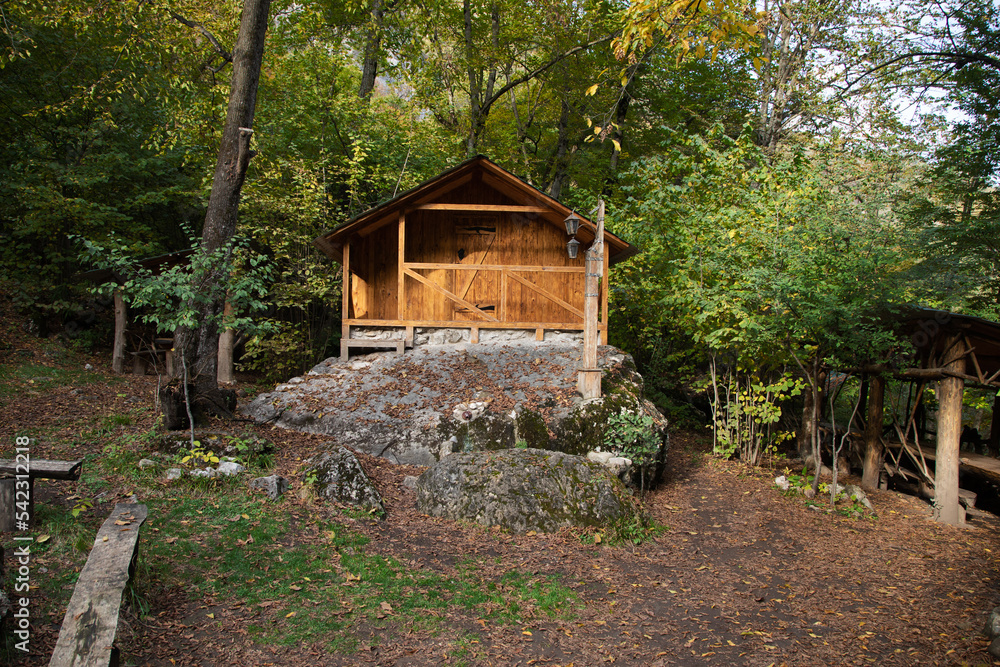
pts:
[485, 208]
[539, 334]
[474, 335]
[400, 263]
[448, 295]
[605, 290]
[465, 290]
[547, 294]
[87, 636]
[366, 231]
[504, 286]
[465, 324]
[435, 266]
[949, 434]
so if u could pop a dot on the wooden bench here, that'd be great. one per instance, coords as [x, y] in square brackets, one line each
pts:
[88, 631]
[398, 344]
[37, 469]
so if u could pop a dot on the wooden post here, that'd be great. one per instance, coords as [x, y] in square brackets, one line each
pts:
[589, 376]
[994, 441]
[121, 321]
[949, 433]
[874, 449]
[8, 508]
[401, 285]
[605, 289]
[224, 373]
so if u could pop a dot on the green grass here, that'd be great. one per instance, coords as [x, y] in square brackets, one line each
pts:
[316, 578]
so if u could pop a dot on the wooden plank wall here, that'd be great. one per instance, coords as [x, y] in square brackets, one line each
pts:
[440, 237]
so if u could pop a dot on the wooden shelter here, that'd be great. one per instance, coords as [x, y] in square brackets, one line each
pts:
[474, 248]
[952, 350]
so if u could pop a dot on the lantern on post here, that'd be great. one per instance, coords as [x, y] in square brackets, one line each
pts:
[572, 227]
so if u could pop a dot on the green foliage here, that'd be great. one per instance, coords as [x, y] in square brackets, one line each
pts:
[172, 298]
[198, 455]
[634, 436]
[747, 412]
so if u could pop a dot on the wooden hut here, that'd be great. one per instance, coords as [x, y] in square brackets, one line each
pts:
[953, 351]
[474, 248]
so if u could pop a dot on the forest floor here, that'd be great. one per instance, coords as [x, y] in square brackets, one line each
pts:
[738, 574]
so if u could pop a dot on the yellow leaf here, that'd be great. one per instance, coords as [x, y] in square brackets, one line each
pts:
[245, 516]
[597, 539]
[105, 539]
[597, 129]
[526, 633]
[618, 146]
[589, 124]
[41, 539]
[290, 614]
[210, 615]
[592, 90]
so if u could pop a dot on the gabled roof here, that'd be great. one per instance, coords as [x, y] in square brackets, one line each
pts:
[332, 243]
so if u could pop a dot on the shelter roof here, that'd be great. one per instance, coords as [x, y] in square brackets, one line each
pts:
[552, 211]
[929, 330]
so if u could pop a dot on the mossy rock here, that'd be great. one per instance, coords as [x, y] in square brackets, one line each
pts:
[524, 489]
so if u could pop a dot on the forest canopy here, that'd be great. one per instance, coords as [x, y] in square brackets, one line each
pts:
[792, 170]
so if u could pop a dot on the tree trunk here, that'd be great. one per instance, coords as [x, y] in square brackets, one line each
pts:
[121, 322]
[198, 348]
[874, 455]
[949, 434]
[373, 47]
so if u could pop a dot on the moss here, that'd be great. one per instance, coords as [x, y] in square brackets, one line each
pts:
[532, 429]
[583, 431]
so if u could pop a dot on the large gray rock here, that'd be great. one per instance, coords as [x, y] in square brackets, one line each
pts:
[336, 475]
[523, 489]
[433, 402]
[992, 627]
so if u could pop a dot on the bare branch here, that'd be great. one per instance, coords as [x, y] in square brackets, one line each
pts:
[223, 53]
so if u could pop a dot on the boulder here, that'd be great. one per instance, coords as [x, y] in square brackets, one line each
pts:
[522, 490]
[147, 463]
[273, 486]
[229, 468]
[432, 402]
[336, 475]
[992, 627]
[173, 473]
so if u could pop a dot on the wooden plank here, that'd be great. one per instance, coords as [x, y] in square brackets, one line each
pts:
[547, 294]
[539, 334]
[504, 291]
[474, 335]
[465, 324]
[494, 267]
[87, 636]
[604, 292]
[488, 208]
[448, 295]
[44, 468]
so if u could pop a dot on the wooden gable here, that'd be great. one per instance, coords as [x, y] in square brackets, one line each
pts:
[473, 248]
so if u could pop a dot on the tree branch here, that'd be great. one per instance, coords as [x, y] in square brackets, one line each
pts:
[225, 55]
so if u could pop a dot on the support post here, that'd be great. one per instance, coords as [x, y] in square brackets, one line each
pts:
[874, 448]
[589, 376]
[121, 321]
[949, 433]
[400, 260]
[224, 373]
[994, 441]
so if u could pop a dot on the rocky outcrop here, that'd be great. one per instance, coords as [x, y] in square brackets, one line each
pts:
[436, 401]
[336, 475]
[522, 490]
